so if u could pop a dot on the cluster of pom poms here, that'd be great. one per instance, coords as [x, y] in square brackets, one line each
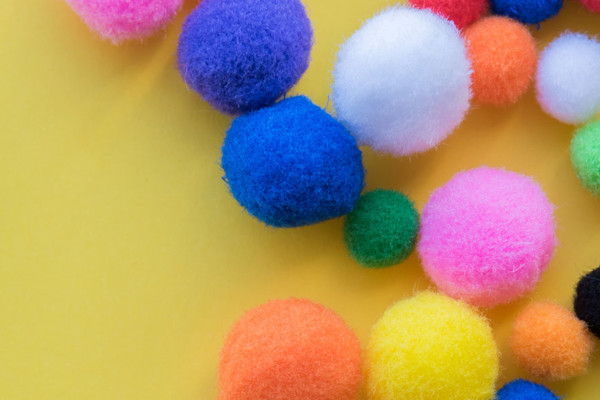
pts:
[292, 164]
[520, 389]
[549, 342]
[290, 349]
[587, 301]
[241, 55]
[486, 236]
[431, 347]
[503, 57]
[568, 83]
[382, 230]
[119, 20]
[585, 156]
[402, 81]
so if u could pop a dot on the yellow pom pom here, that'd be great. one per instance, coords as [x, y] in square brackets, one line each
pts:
[431, 347]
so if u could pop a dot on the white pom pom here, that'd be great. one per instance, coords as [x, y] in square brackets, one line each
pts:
[402, 81]
[568, 78]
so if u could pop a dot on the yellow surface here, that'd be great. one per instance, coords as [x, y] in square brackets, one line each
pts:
[123, 259]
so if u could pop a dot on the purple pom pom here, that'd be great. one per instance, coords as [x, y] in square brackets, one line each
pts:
[242, 55]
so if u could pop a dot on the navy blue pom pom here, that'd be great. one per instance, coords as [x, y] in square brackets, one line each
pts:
[292, 164]
[527, 11]
[241, 55]
[520, 389]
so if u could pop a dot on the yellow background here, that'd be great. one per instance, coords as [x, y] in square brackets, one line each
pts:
[124, 260]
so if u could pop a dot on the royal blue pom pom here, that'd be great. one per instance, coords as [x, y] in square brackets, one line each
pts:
[292, 164]
[527, 11]
[241, 55]
[521, 389]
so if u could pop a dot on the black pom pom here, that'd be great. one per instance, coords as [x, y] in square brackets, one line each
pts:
[587, 301]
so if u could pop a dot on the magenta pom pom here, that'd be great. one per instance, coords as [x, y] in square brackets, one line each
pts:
[119, 20]
[487, 235]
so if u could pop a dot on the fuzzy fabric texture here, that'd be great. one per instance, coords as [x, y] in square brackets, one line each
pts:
[587, 301]
[292, 164]
[461, 12]
[568, 83]
[431, 347]
[382, 230]
[242, 55]
[486, 236]
[592, 5]
[402, 81]
[585, 156]
[503, 57]
[119, 20]
[290, 350]
[520, 389]
[527, 11]
[549, 342]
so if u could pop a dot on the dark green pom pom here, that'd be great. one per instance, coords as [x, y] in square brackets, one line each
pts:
[382, 230]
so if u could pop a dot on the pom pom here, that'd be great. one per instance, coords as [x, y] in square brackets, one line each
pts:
[592, 5]
[520, 389]
[292, 164]
[382, 229]
[585, 156]
[119, 20]
[527, 11]
[401, 82]
[486, 236]
[461, 12]
[293, 350]
[503, 57]
[242, 55]
[568, 83]
[587, 301]
[550, 342]
[431, 347]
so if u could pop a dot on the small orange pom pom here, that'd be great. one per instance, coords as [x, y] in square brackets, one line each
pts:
[503, 58]
[293, 350]
[550, 342]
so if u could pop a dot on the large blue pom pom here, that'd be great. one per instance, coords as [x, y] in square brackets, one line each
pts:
[527, 11]
[521, 389]
[292, 164]
[241, 55]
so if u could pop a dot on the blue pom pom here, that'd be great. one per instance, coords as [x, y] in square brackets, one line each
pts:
[292, 164]
[521, 389]
[527, 11]
[241, 55]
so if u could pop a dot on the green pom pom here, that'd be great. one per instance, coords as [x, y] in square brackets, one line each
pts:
[382, 229]
[585, 156]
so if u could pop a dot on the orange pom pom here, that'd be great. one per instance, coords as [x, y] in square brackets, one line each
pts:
[503, 58]
[550, 342]
[293, 350]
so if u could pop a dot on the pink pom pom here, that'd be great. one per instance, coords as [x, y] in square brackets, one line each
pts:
[120, 20]
[486, 236]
